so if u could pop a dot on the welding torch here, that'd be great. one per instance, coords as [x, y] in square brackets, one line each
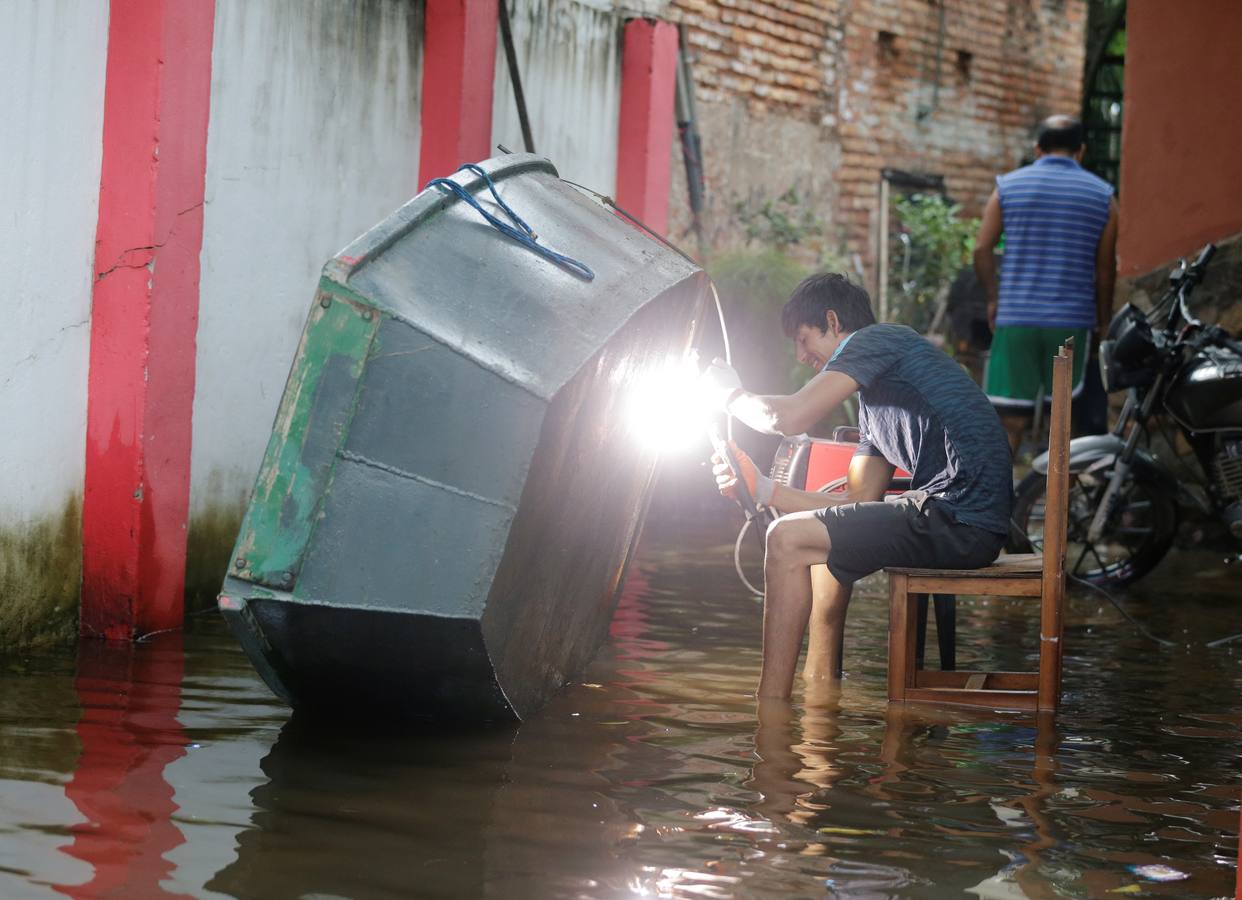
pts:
[741, 490]
[723, 382]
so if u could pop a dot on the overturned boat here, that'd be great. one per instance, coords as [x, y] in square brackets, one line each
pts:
[448, 502]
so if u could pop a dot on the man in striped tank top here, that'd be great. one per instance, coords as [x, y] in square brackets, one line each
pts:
[1056, 279]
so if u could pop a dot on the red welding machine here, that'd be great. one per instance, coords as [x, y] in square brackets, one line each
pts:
[822, 464]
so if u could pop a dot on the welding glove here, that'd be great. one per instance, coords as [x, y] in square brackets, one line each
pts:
[719, 384]
[760, 486]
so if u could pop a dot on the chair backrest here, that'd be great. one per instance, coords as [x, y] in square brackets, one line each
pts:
[1056, 495]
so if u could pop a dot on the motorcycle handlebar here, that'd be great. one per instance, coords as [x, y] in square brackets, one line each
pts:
[1214, 334]
[1205, 256]
[1192, 275]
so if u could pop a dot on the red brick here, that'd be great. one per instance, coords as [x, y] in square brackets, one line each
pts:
[818, 61]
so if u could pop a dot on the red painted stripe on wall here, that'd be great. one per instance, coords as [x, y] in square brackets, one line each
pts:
[459, 71]
[645, 141]
[144, 316]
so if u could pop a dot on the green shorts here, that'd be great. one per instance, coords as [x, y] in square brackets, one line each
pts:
[1021, 363]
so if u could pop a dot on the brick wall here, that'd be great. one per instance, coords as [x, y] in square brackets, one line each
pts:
[824, 95]
[773, 53]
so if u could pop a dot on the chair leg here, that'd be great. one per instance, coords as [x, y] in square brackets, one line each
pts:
[946, 630]
[901, 637]
[920, 616]
[1051, 632]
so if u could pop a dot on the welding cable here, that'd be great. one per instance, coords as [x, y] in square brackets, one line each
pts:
[724, 329]
[737, 557]
[724, 334]
[522, 233]
[1219, 642]
[1129, 618]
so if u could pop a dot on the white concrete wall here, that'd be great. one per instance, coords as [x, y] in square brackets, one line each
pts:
[51, 124]
[313, 138]
[569, 59]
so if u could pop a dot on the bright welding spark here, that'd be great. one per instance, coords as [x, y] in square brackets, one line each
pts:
[665, 407]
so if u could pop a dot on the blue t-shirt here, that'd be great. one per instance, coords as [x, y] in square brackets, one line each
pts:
[1053, 213]
[921, 411]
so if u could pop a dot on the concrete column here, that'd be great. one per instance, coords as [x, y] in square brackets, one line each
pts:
[144, 315]
[459, 68]
[644, 146]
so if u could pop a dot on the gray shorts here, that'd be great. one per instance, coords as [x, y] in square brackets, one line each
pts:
[905, 531]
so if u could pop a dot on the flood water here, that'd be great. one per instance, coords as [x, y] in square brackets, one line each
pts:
[168, 769]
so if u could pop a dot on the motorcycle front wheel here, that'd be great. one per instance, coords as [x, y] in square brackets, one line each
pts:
[1140, 533]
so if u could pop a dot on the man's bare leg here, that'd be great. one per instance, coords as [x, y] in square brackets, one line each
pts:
[829, 601]
[795, 543]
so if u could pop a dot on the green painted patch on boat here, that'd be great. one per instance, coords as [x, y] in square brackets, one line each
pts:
[310, 428]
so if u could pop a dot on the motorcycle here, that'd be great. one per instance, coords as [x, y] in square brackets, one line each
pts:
[1125, 499]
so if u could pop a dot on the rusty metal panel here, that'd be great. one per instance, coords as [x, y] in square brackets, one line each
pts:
[449, 501]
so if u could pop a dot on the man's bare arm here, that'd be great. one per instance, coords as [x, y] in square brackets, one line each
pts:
[990, 227]
[869, 477]
[1106, 270]
[794, 413]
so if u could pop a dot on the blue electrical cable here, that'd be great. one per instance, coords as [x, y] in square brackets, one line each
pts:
[523, 233]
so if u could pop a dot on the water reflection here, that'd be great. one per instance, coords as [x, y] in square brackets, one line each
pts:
[803, 753]
[796, 766]
[347, 815]
[656, 774]
[129, 732]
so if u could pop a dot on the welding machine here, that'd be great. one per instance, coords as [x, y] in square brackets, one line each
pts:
[822, 464]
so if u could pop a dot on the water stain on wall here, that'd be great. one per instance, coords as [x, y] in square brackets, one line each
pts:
[569, 57]
[41, 579]
[211, 535]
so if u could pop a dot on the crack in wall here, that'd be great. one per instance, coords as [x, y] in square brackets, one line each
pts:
[34, 355]
[149, 263]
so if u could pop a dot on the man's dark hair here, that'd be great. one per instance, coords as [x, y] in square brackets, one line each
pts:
[1059, 133]
[811, 300]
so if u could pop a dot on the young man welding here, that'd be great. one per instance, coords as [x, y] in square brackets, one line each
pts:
[919, 410]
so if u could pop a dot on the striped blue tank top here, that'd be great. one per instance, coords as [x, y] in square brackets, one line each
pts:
[1054, 213]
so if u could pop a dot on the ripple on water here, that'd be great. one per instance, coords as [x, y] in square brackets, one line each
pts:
[172, 770]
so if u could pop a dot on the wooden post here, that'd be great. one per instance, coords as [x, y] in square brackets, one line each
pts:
[1056, 511]
[881, 278]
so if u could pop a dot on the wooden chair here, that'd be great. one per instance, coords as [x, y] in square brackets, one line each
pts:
[1012, 575]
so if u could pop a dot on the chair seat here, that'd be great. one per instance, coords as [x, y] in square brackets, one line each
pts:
[1007, 565]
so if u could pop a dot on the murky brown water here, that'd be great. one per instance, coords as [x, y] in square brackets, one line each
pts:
[167, 769]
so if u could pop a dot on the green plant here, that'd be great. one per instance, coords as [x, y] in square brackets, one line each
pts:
[753, 286]
[777, 222]
[937, 244]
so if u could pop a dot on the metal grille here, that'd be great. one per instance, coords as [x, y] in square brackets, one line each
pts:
[782, 463]
[1229, 469]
